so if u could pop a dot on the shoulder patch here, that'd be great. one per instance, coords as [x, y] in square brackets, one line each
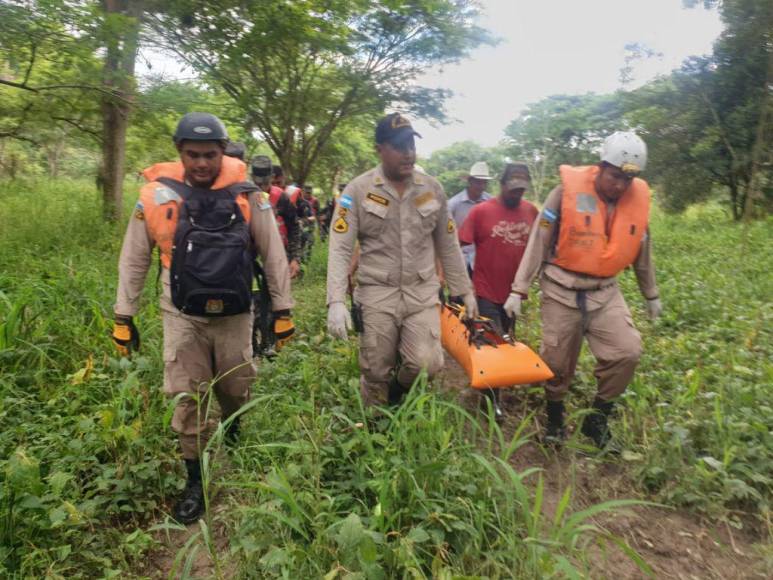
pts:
[451, 227]
[263, 202]
[423, 198]
[139, 211]
[549, 215]
[378, 199]
[345, 201]
[341, 226]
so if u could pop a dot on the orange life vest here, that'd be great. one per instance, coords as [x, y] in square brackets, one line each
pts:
[585, 244]
[293, 192]
[160, 204]
[274, 195]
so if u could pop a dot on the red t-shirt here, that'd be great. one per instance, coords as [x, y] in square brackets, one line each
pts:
[499, 235]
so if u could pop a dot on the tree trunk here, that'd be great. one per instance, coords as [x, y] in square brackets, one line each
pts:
[761, 149]
[121, 38]
[734, 197]
[53, 156]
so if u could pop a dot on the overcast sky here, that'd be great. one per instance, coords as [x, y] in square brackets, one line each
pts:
[546, 47]
[559, 47]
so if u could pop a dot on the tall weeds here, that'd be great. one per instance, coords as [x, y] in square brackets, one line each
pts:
[319, 487]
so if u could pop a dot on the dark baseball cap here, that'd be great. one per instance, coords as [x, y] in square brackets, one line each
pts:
[394, 129]
[516, 176]
[236, 149]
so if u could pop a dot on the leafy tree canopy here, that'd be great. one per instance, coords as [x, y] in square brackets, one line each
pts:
[299, 70]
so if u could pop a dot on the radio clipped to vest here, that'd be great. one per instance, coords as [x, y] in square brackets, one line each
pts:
[212, 258]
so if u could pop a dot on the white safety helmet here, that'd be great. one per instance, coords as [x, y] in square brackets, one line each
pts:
[626, 150]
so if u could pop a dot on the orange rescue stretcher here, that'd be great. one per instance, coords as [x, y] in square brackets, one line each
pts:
[490, 360]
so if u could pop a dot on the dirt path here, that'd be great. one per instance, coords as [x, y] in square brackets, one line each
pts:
[676, 544]
[188, 551]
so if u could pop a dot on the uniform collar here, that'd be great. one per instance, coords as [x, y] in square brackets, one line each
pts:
[380, 179]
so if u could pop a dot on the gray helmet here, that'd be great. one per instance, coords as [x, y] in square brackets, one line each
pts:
[200, 127]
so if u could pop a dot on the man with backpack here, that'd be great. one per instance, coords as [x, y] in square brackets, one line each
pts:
[209, 224]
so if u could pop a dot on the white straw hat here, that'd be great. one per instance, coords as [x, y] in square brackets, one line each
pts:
[479, 170]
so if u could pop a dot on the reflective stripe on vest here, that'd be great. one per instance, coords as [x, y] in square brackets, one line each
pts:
[161, 203]
[583, 244]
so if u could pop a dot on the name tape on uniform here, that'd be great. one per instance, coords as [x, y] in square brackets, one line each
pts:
[378, 199]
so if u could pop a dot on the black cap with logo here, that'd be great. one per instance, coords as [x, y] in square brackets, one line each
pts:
[394, 129]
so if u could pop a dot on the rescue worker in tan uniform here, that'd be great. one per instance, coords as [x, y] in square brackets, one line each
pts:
[593, 225]
[204, 342]
[400, 219]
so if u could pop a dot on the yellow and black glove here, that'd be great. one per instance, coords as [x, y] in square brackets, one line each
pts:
[125, 335]
[283, 328]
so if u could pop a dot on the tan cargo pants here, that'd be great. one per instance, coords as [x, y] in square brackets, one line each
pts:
[202, 356]
[612, 339]
[415, 337]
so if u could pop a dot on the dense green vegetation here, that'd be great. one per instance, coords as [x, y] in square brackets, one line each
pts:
[319, 487]
[88, 464]
[306, 80]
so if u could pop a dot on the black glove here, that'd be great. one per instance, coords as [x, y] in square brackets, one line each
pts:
[125, 335]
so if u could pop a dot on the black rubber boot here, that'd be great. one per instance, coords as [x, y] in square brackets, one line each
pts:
[493, 396]
[396, 393]
[232, 432]
[595, 424]
[190, 506]
[555, 432]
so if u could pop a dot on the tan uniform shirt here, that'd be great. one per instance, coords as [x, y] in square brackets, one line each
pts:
[137, 252]
[399, 237]
[561, 284]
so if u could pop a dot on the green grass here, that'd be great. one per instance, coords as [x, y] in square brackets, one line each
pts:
[696, 421]
[319, 487]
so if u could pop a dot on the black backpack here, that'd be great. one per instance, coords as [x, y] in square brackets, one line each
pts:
[212, 255]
